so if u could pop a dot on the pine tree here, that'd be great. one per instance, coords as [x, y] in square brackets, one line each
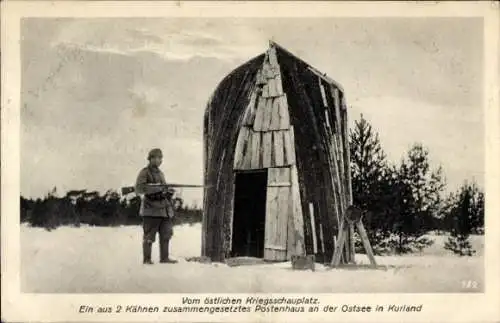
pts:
[466, 217]
[370, 182]
[419, 199]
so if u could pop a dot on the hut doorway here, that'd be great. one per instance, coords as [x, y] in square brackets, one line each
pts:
[249, 216]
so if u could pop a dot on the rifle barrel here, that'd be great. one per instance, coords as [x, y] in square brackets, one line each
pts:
[131, 189]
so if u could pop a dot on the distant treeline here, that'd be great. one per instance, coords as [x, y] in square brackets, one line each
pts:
[79, 207]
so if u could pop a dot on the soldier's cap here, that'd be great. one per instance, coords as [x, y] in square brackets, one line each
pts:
[156, 152]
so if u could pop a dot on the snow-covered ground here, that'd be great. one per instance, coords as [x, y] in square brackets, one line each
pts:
[108, 260]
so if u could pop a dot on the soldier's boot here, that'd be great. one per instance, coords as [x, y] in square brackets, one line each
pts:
[164, 253]
[146, 252]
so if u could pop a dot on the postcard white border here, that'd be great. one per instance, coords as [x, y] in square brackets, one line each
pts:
[18, 306]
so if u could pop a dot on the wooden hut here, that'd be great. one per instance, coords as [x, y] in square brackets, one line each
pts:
[276, 162]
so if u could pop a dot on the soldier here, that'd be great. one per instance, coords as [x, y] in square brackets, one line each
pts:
[156, 209]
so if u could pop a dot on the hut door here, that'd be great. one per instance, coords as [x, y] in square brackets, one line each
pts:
[277, 209]
[249, 214]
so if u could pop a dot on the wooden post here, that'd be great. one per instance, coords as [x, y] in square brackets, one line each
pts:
[347, 173]
[339, 245]
[353, 215]
[366, 242]
[297, 215]
[313, 228]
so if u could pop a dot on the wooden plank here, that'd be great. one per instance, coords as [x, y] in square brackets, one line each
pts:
[240, 145]
[259, 114]
[347, 172]
[313, 228]
[366, 242]
[323, 95]
[291, 242]
[265, 90]
[280, 184]
[273, 58]
[339, 179]
[231, 217]
[285, 175]
[283, 207]
[275, 115]
[278, 175]
[289, 157]
[327, 119]
[283, 112]
[273, 91]
[352, 246]
[279, 83]
[274, 255]
[271, 218]
[337, 185]
[336, 107]
[247, 152]
[298, 220]
[266, 120]
[347, 153]
[278, 148]
[250, 112]
[261, 79]
[256, 152]
[275, 88]
[276, 247]
[339, 245]
[322, 238]
[267, 148]
[272, 176]
[291, 133]
[276, 223]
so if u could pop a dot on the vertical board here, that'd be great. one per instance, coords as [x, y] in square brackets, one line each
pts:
[275, 115]
[327, 119]
[347, 173]
[279, 84]
[322, 238]
[291, 133]
[290, 240]
[337, 185]
[261, 79]
[268, 110]
[289, 150]
[259, 114]
[323, 95]
[272, 224]
[240, 147]
[283, 112]
[277, 214]
[255, 160]
[273, 91]
[265, 90]
[267, 148]
[297, 216]
[336, 109]
[273, 59]
[347, 152]
[250, 112]
[313, 228]
[278, 148]
[247, 151]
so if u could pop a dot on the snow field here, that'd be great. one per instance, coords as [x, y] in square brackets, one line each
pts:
[109, 260]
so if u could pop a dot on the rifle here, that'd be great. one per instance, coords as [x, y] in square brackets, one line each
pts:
[130, 189]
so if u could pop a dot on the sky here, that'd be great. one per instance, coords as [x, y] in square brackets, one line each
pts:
[98, 93]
